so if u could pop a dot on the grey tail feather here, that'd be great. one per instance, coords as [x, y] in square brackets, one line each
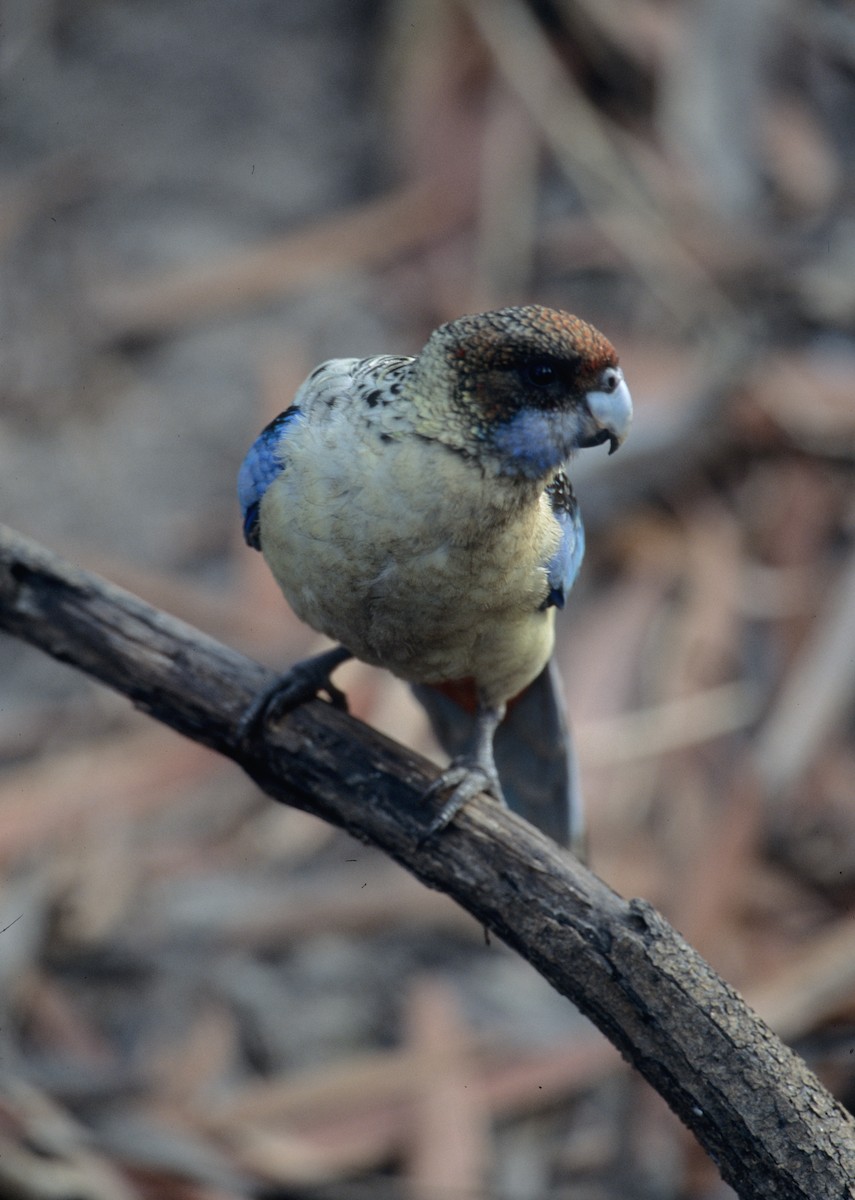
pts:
[534, 754]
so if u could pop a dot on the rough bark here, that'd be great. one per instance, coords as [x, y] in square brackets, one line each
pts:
[765, 1119]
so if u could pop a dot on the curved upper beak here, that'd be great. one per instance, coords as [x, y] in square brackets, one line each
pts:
[611, 411]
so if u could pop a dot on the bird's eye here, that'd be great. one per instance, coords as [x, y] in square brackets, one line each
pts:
[610, 379]
[540, 372]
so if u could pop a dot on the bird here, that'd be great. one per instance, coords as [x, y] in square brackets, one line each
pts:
[419, 512]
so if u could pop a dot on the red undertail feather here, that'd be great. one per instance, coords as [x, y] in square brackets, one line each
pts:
[464, 693]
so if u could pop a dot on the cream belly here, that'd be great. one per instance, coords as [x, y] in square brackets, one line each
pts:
[405, 554]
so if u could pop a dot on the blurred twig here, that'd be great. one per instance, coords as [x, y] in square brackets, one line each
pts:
[586, 150]
[507, 232]
[450, 1144]
[671, 725]
[817, 691]
[765, 1119]
[366, 236]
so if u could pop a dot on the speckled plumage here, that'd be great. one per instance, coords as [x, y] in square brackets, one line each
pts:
[417, 510]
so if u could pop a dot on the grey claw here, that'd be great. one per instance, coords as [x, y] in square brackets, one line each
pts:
[466, 781]
[302, 683]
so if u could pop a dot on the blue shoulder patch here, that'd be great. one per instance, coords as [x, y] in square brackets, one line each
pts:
[258, 470]
[564, 565]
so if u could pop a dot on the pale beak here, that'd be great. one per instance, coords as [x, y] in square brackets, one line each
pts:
[610, 407]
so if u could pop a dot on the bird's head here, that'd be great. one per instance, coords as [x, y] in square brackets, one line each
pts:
[530, 385]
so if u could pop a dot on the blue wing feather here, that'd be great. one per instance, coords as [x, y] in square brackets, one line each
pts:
[564, 565]
[258, 470]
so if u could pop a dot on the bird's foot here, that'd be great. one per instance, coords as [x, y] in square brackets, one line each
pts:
[466, 777]
[302, 682]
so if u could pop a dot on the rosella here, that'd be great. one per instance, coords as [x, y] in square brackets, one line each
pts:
[418, 511]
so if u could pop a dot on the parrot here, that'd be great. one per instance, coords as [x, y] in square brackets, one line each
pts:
[419, 512]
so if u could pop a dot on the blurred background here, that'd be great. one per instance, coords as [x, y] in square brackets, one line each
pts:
[204, 995]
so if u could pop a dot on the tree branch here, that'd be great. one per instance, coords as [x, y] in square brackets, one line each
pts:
[761, 1114]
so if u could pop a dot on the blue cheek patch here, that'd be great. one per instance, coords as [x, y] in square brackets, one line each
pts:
[526, 444]
[258, 470]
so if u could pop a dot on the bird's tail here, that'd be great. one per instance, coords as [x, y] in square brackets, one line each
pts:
[534, 754]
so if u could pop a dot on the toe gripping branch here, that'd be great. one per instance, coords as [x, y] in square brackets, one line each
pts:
[469, 774]
[301, 683]
[466, 776]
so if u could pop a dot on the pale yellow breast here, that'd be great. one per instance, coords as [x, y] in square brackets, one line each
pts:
[408, 555]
